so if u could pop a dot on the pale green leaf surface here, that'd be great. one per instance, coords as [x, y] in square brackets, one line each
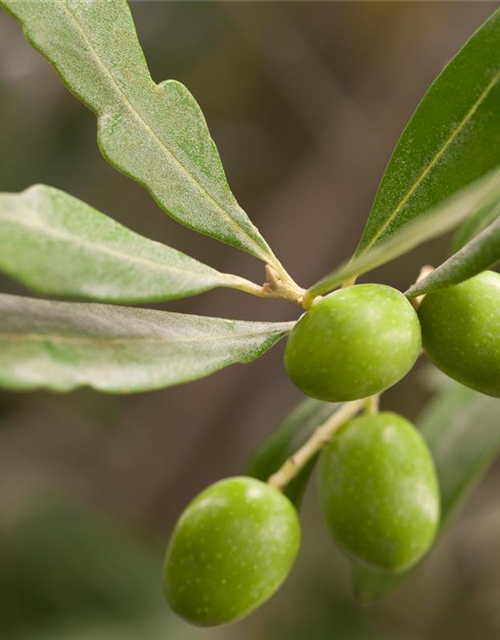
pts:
[481, 253]
[436, 222]
[462, 430]
[57, 244]
[452, 139]
[474, 224]
[62, 345]
[154, 133]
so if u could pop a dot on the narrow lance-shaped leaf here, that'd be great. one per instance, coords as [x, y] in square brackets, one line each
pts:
[436, 222]
[154, 133]
[62, 345]
[481, 253]
[452, 139]
[474, 224]
[461, 429]
[284, 440]
[56, 244]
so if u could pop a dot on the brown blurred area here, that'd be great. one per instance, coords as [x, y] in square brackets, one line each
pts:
[306, 101]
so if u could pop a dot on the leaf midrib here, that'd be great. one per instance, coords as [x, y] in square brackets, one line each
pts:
[435, 160]
[60, 339]
[156, 266]
[134, 112]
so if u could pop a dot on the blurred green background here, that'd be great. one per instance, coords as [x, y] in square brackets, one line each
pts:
[305, 101]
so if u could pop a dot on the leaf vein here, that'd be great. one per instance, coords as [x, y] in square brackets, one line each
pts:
[59, 339]
[104, 249]
[467, 118]
[125, 101]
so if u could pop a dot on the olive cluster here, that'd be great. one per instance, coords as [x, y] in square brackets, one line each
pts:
[236, 542]
[361, 340]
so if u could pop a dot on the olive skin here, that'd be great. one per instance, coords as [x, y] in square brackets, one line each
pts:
[231, 549]
[461, 331]
[379, 492]
[354, 343]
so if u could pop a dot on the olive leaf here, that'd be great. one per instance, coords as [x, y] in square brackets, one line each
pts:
[474, 224]
[452, 139]
[154, 133]
[284, 439]
[57, 244]
[461, 429]
[62, 345]
[441, 219]
[481, 253]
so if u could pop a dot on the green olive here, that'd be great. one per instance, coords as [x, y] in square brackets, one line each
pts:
[461, 331]
[231, 549]
[379, 491]
[356, 342]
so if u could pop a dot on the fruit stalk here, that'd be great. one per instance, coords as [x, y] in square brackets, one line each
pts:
[278, 285]
[372, 404]
[317, 441]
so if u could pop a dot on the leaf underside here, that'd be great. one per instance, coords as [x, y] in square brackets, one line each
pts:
[157, 135]
[474, 225]
[61, 346]
[484, 192]
[58, 245]
[154, 133]
[461, 429]
[481, 253]
[452, 139]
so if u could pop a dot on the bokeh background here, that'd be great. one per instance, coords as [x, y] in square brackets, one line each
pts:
[306, 101]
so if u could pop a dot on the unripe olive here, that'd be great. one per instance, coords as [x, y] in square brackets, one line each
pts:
[356, 342]
[461, 331]
[231, 549]
[379, 491]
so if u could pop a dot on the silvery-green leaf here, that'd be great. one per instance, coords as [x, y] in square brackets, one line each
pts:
[154, 133]
[482, 252]
[57, 244]
[474, 225]
[63, 345]
[452, 139]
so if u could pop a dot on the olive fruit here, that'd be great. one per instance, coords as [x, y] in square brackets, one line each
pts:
[379, 491]
[461, 331]
[354, 343]
[231, 549]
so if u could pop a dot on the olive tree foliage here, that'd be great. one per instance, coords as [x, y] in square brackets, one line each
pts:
[444, 175]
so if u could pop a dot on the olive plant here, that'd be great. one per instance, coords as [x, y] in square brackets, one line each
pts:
[387, 488]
